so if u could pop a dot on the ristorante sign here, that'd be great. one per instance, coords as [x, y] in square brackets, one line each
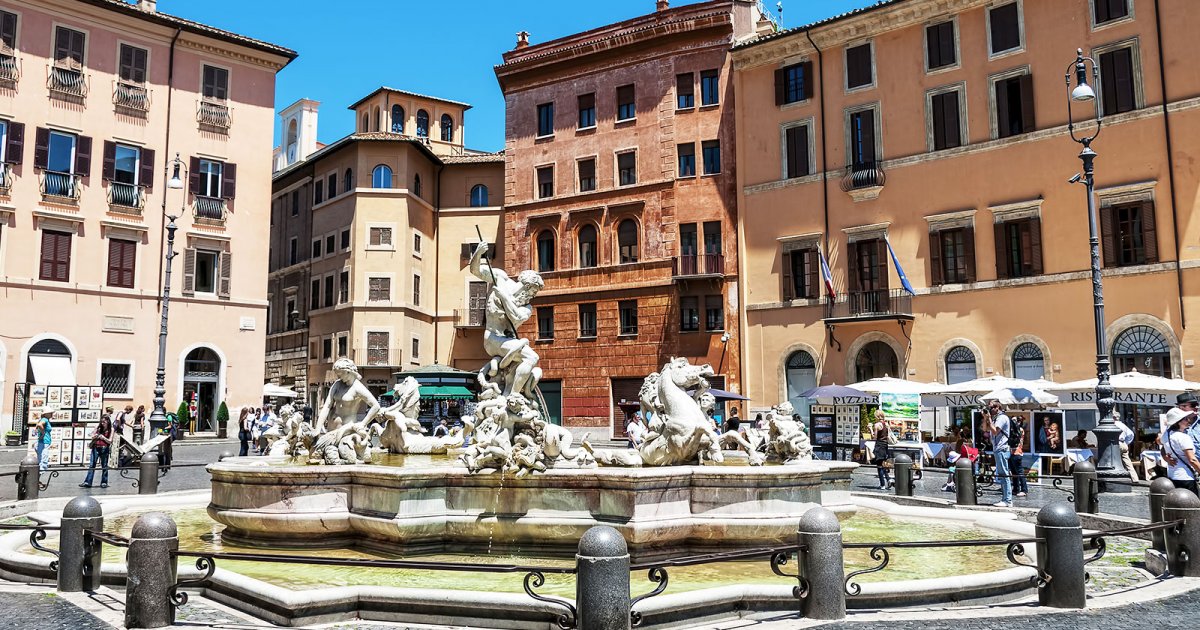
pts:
[1150, 399]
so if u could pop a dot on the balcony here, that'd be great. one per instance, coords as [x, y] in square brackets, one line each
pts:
[67, 81]
[698, 266]
[209, 210]
[864, 180]
[213, 115]
[126, 198]
[131, 98]
[10, 67]
[869, 306]
[6, 178]
[61, 187]
[377, 357]
[468, 318]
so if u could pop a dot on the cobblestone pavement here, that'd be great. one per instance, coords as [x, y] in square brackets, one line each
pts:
[44, 611]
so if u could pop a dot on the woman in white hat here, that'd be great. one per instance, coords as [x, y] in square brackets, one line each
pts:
[1179, 450]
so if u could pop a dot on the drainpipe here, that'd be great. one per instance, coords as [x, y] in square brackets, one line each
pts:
[437, 259]
[824, 166]
[1162, 78]
[166, 156]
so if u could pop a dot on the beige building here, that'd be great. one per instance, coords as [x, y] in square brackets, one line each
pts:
[941, 127]
[96, 98]
[370, 240]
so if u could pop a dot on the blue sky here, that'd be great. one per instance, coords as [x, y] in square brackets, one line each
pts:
[444, 49]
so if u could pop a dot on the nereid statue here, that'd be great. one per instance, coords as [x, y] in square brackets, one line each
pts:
[787, 437]
[403, 433]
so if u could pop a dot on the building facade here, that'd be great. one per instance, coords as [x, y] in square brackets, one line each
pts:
[97, 98]
[370, 242]
[940, 127]
[619, 190]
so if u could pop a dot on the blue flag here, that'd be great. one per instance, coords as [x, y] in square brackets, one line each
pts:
[899, 270]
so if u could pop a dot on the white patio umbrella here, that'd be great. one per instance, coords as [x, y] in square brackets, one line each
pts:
[887, 384]
[967, 393]
[1133, 387]
[1021, 397]
[271, 390]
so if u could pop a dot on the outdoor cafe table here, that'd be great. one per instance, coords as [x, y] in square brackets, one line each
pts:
[1081, 454]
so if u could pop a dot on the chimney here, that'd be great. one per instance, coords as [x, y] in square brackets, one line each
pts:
[149, 6]
[522, 40]
[661, 5]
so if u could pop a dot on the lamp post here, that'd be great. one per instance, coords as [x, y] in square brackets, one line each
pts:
[1109, 465]
[158, 417]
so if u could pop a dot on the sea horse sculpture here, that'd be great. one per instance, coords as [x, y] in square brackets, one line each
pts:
[403, 433]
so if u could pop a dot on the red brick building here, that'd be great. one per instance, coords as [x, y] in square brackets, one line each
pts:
[620, 190]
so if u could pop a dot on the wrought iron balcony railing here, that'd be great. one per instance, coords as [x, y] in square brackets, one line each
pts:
[209, 209]
[61, 186]
[126, 196]
[131, 96]
[67, 81]
[876, 303]
[468, 317]
[213, 115]
[10, 67]
[378, 357]
[863, 175]
[6, 178]
[698, 265]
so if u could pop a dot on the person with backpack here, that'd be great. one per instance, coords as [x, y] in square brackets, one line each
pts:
[1016, 440]
[997, 424]
[1179, 450]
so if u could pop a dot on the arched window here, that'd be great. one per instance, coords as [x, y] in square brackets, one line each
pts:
[375, 120]
[447, 128]
[587, 246]
[44, 354]
[422, 123]
[627, 241]
[397, 119]
[801, 377]
[960, 365]
[293, 136]
[1144, 349]
[381, 177]
[1028, 362]
[348, 180]
[876, 359]
[545, 250]
[365, 118]
[479, 196]
[416, 189]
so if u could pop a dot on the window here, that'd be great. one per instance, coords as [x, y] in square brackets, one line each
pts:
[868, 276]
[56, 256]
[685, 91]
[545, 119]
[479, 196]
[8, 32]
[332, 185]
[545, 182]
[689, 314]
[1004, 27]
[629, 316]
[65, 155]
[545, 250]
[801, 270]
[1108, 10]
[328, 283]
[293, 251]
[1028, 362]
[348, 181]
[132, 64]
[422, 123]
[687, 159]
[312, 350]
[939, 45]
[327, 348]
[627, 168]
[587, 246]
[364, 123]
[296, 203]
[627, 241]
[343, 287]
[626, 103]
[380, 237]
[378, 347]
[376, 119]
[791, 83]
[318, 192]
[397, 119]
[714, 313]
[114, 378]
[416, 243]
[1014, 105]
[545, 322]
[69, 45]
[944, 118]
[206, 271]
[712, 156]
[416, 349]
[343, 345]
[1117, 89]
[952, 256]
[288, 316]
[862, 139]
[381, 177]
[447, 128]
[416, 188]
[858, 67]
[587, 110]
[123, 167]
[329, 241]
[213, 179]
[314, 295]
[960, 365]
[316, 248]
[710, 87]
[216, 83]
[345, 239]
[1019, 248]
[121, 257]
[587, 175]
[795, 152]
[1128, 234]
[416, 286]
[379, 289]
[587, 320]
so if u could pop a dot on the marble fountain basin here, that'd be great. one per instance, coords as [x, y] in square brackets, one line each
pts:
[431, 504]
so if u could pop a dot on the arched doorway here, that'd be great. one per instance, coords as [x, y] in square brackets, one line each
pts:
[876, 359]
[1146, 350]
[50, 362]
[960, 365]
[801, 376]
[201, 383]
[1028, 362]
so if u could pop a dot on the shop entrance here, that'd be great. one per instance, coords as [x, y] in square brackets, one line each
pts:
[201, 376]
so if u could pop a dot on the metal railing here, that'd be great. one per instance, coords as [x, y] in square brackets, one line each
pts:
[698, 265]
[67, 81]
[63, 186]
[869, 304]
[863, 175]
[209, 209]
[6, 178]
[377, 357]
[213, 115]
[127, 196]
[469, 317]
[10, 68]
[131, 96]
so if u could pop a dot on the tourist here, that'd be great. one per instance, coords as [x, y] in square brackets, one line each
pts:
[264, 424]
[442, 429]
[881, 452]
[1079, 441]
[1124, 444]
[44, 437]
[733, 422]
[101, 445]
[951, 459]
[244, 432]
[997, 424]
[759, 423]
[635, 431]
[139, 423]
[119, 424]
[1179, 450]
[1187, 402]
[1016, 439]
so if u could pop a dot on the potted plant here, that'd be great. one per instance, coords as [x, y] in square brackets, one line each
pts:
[222, 421]
[184, 418]
[12, 438]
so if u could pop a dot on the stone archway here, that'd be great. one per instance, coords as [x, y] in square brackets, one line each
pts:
[1114, 330]
[1020, 340]
[952, 344]
[202, 369]
[781, 366]
[862, 341]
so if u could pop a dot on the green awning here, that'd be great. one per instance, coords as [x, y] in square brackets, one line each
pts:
[443, 392]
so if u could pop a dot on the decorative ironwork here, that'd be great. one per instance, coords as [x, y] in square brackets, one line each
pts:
[800, 360]
[1028, 351]
[1140, 340]
[63, 186]
[535, 579]
[658, 575]
[131, 96]
[203, 563]
[960, 354]
[124, 472]
[213, 116]
[10, 67]
[1058, 486]
[209, 208]
[35, 540]
[880, 555]
[51, 475]
[698, 265]
[800, 591]
[66, 79]
[867, 174]
[1017, 550]
[5, 178]
[126, 195]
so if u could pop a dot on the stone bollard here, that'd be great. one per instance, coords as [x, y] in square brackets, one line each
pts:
[903, 464]
[820, 563]
[602, 580]
[152, 572]
[148, 474]
[1086, 487]
[28, 478]
[1158, 491]
[964, 482]
[1183, 541]
[78, 553]
[1060, 557]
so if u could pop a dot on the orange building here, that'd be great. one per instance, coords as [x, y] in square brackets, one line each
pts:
[941, 127]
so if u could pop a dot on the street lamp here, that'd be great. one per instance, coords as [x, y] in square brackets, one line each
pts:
[1109, 465]
[158, 417]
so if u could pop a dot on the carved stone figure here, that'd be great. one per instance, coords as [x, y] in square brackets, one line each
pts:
[346, 396]
[788, 439]
[753, 443]
[403, 433]
[507, 307]
[347, 444]
[491, 449]
[527, 455]
[556, 443]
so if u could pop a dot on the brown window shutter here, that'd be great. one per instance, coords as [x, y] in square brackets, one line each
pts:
[852, 270]
[935, 258]
[882, 262]
[1149, 232]
[938, 115]
[229, 181]
[194, 176]
[1108, 237]
[789, 291]
[1001, 250]
[15, 150]
[83, 156]
[1035, 245]
[780, 85]
[1002, 115]
[146, 177]
[41, 148]
[1122, 85]
[46, 272]
[128, 263]
[1027, 119]
[108, 168]
[114, 263]
[868, 136]
[811, 274]
[226, 275]
[8, 28]
[62, 257]
[810, 87]
[969, 251]
[189, 271]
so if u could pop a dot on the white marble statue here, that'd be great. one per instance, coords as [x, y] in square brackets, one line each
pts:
[346, 397]
[403, 433]
[508, 306]
[350, 443]
[786, 435]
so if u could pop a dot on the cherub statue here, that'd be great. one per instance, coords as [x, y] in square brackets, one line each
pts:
[492, 447]
[347, 444]
[788, 439]
[556, 443]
